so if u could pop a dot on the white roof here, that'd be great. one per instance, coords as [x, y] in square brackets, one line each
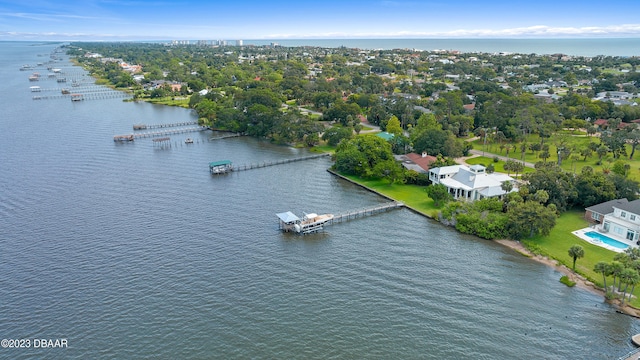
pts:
[492, 191]
[288, 217]
[483, 182]
[448, 169]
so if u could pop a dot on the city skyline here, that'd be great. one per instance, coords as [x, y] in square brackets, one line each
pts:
[284, 19]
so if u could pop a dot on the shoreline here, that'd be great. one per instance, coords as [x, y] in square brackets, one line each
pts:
[580, 281]
[516, 246]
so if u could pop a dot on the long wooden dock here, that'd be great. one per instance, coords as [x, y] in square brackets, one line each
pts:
[89, 96]
[159, 126]
[350, 215]
[277, 162]
[169, 132]
[225, 136]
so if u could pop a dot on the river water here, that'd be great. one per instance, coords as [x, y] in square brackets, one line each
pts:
[136, 251]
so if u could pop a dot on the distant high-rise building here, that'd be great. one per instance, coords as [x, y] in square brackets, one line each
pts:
[238, 42]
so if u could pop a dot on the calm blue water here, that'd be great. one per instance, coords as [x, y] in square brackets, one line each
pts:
[607, 240]
[576, 47]
[133, 251]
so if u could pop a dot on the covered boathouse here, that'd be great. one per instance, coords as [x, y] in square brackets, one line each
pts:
[220, 167]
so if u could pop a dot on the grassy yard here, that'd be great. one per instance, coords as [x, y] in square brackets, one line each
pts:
[413, 196]
[557, 244]
[499, 166]
[170, 101]
[579, 141]
[324, 148]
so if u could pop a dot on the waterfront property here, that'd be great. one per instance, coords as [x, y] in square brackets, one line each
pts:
[619, 219]
[470, 183]
[418, 163]
[597, 238]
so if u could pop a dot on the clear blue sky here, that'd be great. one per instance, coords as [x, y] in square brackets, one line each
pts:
[283, 19]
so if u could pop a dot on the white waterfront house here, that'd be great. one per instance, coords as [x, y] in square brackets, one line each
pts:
[469, 183]
[618, 218]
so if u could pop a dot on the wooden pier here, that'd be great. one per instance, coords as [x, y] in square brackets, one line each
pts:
[350, 215]
[162, 142]
[277, 162]
[169, 132]
[157, 126]
[87, 96]
[225, 136]
[289, 222]
[122, 138]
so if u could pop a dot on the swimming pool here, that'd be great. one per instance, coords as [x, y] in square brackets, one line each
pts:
[607, 240]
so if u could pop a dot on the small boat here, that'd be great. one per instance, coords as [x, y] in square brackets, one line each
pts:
[188, 141]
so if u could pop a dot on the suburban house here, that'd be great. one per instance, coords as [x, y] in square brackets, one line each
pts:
[418, 163]
[470, 183]
[620, 218]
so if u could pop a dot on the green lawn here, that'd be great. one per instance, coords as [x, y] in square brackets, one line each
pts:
[557, 244]
[181, 102]
[498, 166]
[579, 141]
[413, 196]
[324, 148]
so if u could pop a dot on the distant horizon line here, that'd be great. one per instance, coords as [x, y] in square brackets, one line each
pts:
[328, 38]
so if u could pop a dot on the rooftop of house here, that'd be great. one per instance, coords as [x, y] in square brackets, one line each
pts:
[631, 206]
[606, 207]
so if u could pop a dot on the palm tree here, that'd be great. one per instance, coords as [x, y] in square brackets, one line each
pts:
[615, 269]
[634, 280]
[629, 276]
[603, 268]
[633, 252]
[576, 252]
[507, 186]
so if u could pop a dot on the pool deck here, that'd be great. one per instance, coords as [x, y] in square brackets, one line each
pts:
[581, 234]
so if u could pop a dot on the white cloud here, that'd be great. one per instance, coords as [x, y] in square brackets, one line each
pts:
[48, 17]
[197, 31]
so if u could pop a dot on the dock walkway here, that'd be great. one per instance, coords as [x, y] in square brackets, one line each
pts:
[157, 126]
[168, 132]
[228, 136]
[277, 162]
[89, 96]
[366, 211]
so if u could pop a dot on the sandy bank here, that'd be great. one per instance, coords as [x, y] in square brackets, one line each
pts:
[578, 279]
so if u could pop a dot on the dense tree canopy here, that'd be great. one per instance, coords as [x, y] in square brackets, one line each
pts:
[367, 156]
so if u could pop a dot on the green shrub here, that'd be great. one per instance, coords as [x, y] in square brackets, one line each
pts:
[565, 280]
